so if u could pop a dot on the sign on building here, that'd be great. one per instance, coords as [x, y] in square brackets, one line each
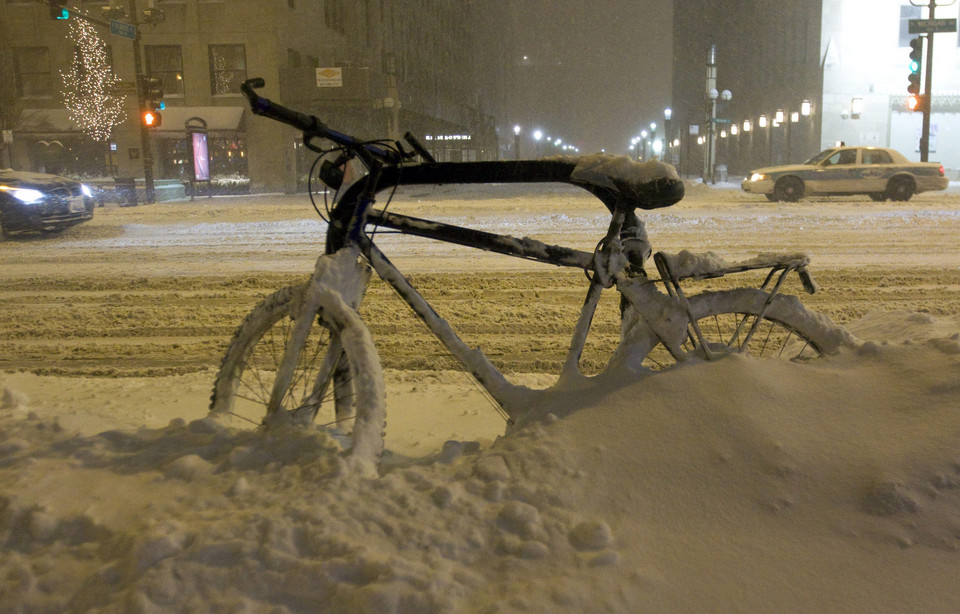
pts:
[329, 77]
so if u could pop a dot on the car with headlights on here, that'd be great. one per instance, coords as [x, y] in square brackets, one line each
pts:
[41, 202]
[878, 172]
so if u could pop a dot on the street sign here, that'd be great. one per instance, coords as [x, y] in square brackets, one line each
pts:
[126, 30]
[932, 26]
[721, 120]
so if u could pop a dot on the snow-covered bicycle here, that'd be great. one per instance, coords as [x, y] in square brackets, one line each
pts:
[304, 350]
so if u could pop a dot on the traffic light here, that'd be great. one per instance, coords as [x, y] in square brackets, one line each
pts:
[58, 9]
[150, 118]
[917, 102]
[153, 93]
[152, 101]
[916, 53]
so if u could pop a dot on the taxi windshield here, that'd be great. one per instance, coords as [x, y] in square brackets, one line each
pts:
[817, 159]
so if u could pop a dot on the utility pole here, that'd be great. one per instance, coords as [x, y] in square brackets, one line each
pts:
[711, 95]
[929, 26]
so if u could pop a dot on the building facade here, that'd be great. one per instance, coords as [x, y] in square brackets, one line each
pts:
[767, 57]
[373, 68]
[865, 55]
[832, 71]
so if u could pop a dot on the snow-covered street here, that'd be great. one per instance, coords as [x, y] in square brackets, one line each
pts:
[731, 486]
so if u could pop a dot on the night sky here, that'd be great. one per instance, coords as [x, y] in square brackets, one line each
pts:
[596, 72]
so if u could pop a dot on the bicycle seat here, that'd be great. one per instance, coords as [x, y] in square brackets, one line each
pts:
[648, 185]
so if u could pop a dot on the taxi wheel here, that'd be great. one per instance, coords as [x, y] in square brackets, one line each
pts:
[789, 189]
[899, 189]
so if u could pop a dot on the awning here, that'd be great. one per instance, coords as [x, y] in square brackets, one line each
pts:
[57, 121]
[217, 118]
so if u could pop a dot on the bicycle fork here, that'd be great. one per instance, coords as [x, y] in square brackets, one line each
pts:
[343, 272]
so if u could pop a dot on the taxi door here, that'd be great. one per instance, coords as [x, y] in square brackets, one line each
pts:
[837, 174]
[876, 166]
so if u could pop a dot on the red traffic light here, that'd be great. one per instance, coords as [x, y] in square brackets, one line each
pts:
[915, 102]
[151, 119]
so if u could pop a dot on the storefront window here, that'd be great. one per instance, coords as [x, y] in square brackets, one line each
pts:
[228, 158]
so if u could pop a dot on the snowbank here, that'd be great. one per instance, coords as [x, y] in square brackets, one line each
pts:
[732, 486]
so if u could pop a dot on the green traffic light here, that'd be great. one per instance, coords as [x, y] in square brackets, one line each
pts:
[914, 66]
[64, 14]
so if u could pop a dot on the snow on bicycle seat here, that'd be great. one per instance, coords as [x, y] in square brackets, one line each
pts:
[647, 185]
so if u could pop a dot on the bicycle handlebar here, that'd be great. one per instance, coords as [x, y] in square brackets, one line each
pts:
[311, 126]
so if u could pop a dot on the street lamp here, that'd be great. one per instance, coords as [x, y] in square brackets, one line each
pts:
[653, 137]
[712, 96]
[516, 142]
[537, 135]
[667, 116]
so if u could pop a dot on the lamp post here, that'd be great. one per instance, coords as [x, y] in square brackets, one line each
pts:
[710, 158]
[516, 142]
[748, 130]
[667, 135]
[764, 123]
[806, 114]
[537, 135]
[779, 118]
[653, 138]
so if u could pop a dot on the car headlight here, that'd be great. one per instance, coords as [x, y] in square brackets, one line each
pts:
[86, 190]
[757, 177]
[25, 195]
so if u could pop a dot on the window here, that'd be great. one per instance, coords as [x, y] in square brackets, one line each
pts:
[33, 76]
[166, 63]
[906, 14]
[334, 16]
[844, 156]
[228, 68]
[876, 156]
[293, 58]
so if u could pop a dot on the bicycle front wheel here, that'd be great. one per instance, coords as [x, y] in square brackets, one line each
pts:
[731, 322]
[323, 384]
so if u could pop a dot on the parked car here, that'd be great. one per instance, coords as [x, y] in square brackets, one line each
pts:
[878, 172]
[41, 202]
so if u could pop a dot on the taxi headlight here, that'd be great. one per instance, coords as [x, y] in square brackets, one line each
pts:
[757, 177]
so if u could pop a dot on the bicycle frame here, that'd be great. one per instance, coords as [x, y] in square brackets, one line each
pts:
[354, 213]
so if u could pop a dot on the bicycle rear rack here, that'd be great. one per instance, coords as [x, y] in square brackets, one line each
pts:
[674, 268]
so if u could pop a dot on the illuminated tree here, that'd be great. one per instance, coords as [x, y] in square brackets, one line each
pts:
[90, 88]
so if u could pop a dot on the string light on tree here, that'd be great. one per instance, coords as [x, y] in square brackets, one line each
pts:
[90, 87]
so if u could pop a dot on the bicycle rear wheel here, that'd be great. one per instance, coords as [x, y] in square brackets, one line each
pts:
[336, 379]
[786, 331]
